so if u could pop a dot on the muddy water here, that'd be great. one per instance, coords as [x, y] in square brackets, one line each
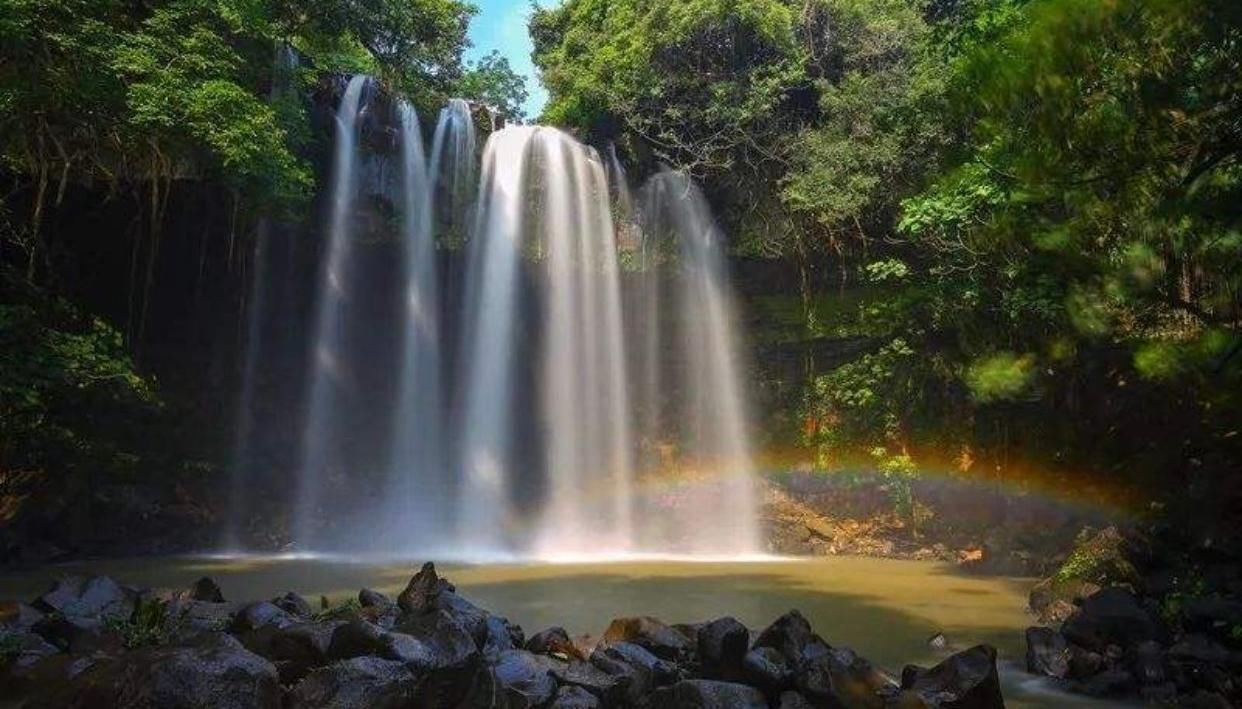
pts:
[884, 609]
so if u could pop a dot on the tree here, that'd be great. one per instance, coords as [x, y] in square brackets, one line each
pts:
[492, 81]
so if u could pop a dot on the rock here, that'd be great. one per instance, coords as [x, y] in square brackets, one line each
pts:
[1109, 683]
[359, 682]
[938, 642]
[789, 635]
[206, 590]
[1163, 694]
[422, 591]
[1084, 663]
[1199, 650]
[213, 670]
[649, 634]
[1212, 615]
[967, 680]
[442, 652]
[374, 599]
[254, 616]
[793, 700]
[526, 678]
[1203, 699]
[357, 637]
[87, 603]
[501, 636]
[299, 648]
[294, 605]
[23, 649]
[1047, 653]
[639, 669]
[1111, 616]
[1054, 600]
[610, 689]
[571, 697]
[842, 679]
[18, 617]
[722, 644]
[766, 668]
[554, 641]
[708, 694]
[1146, 662]
[201, 616]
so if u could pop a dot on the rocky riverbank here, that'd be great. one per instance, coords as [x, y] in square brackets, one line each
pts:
[95, 643]
[1138, 615]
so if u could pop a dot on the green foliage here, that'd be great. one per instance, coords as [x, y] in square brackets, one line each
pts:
[493, 82]
[1000, 377]
[151, 624]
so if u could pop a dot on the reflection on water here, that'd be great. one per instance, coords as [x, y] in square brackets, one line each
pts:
[884, 609]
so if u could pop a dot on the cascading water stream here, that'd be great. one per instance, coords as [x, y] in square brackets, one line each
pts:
[327, 366]
[419, 490]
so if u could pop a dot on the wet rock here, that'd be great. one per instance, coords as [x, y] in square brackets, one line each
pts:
[206, 590]
[766, 668]
[1047, 653]
[501, 636]
[1212, 615]
[554, 641]
[1147, 664]
[526, 678]
[359, 682]
[355, 638]
[1163, 694]
[722, 644]
[294, 605]
[213, 670]
[789, 635]
[571, 697]
[374, 599]
[75, 606]
[841, 678]
[1084, 663]
[640, 670]
[258, 615]
[649, 634]
[708, 694]
[299, 648]
[422, 591]
[1109, 683]
[1199, 650]
[442, 652]
[1111, 616]
[195, 616]
[610, 689]
[1054, 600]
[967, 680]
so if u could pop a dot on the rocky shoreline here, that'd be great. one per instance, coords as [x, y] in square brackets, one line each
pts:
[95, 643]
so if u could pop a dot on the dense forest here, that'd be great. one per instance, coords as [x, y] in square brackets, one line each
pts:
[1032, 205]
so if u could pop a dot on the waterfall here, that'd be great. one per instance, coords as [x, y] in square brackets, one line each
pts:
[545, 401]
[418, 489]
[328, 376]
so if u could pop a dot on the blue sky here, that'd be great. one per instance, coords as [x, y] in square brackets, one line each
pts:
[501, 25]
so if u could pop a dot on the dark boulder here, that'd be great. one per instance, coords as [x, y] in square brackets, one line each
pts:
[708, 694]
[722, 644]
[23, 649]
[571, 697]
[793, 700]
[369, 682]
[96, 599]
[637, 668]
[422, 591]
[789, 635]
[374, 599]
[1213, 615]
[213, 670]
[967, 680]
[258, 615]
[206, 590]
[1112, 616]
[501, 636]
[609, 689]
[1113, 682]
[441, 652]
[16, 617]
[195, 616]
[649, 634]
[767, 669]
[840, 678]
[299, 648]
[554, 641]
[1146, 661]
[1047, 653]
[525, 679]
[294, 605]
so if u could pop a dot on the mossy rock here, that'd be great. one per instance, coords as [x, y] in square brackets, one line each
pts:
[1100, 558]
